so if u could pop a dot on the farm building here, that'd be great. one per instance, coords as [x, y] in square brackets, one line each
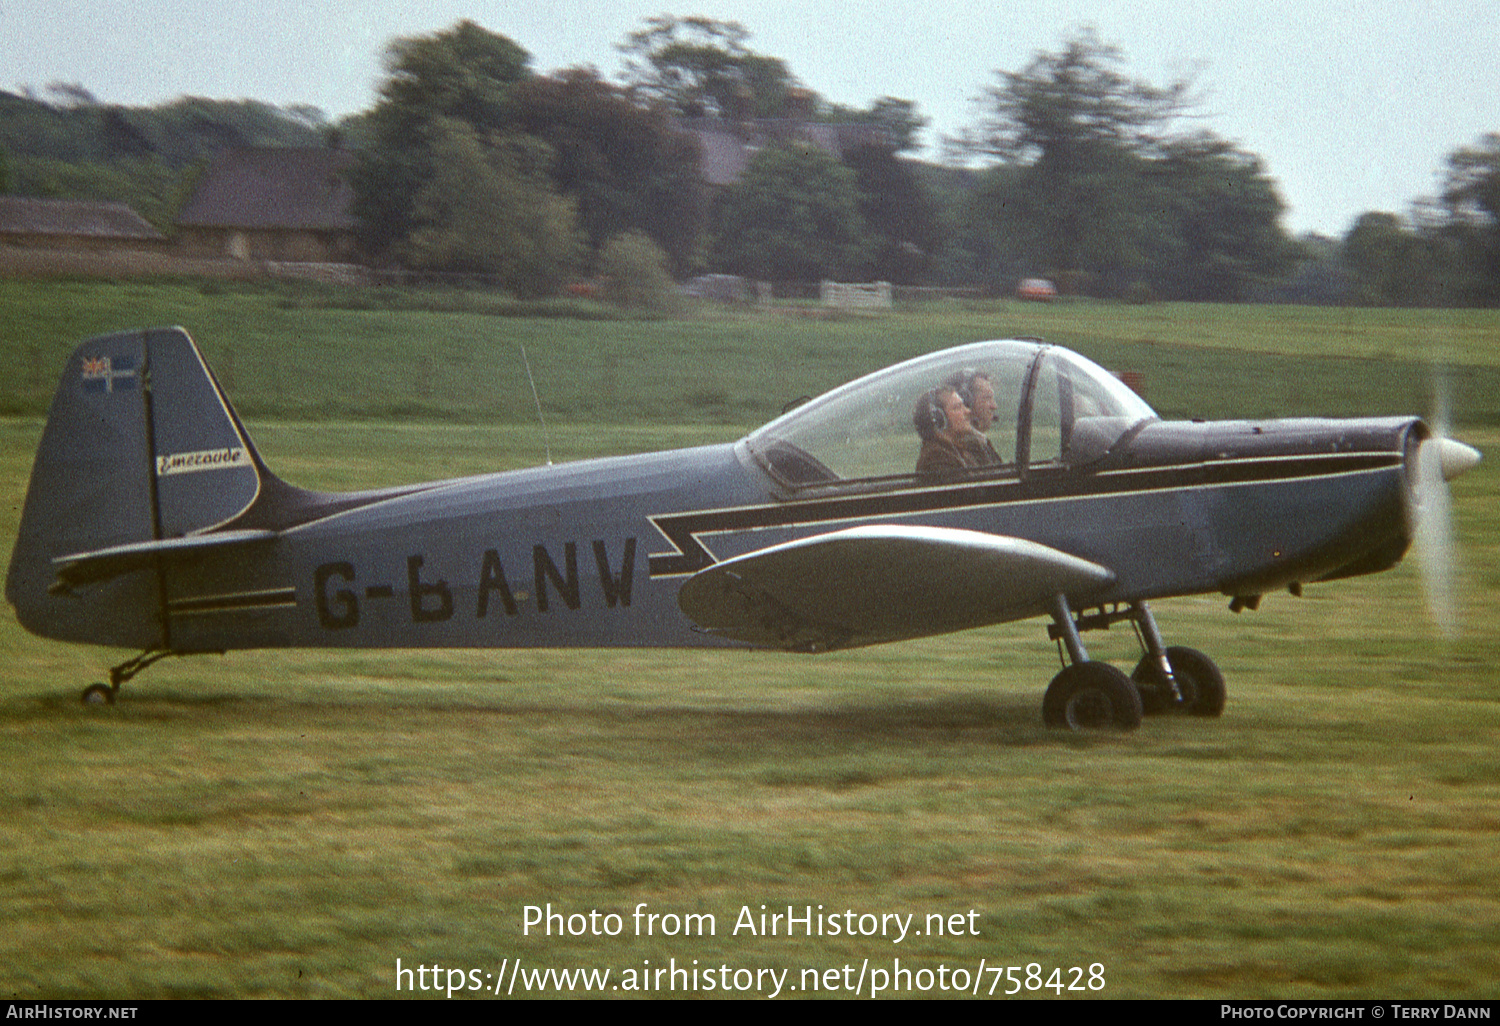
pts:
[280, 204]
[75, 226]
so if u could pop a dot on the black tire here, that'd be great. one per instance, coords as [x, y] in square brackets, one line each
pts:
[1092, 696]
[98, 694]
[1199, 681]
[1156, 697]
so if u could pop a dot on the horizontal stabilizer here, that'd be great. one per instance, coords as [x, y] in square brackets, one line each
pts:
[103, 564]
[874, 584]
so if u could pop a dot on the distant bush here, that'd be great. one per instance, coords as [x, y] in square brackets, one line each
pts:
[634, 273]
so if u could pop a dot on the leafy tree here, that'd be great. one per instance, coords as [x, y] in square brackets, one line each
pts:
[794, 216]
[71, 95]
[151, 188]
[1391, 265]
[624, 165]
[1222, 236]
[898, 117]
[148, 157]
[489, 209]
[307, 114]
[122, 137]
[701, 66]
[1098, 189]
[30, 128]
[1080, 127]
[1091, 229]
[899, 212]
[1319, 277]
[464, 74]
[1473, 187]
[1065, 107]
[179, 133]
[1472, 198]
[635, 273]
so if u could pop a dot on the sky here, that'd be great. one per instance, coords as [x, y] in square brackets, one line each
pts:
[1353, 105]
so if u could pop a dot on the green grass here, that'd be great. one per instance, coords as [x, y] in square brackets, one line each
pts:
[292, 823]
[283, 352]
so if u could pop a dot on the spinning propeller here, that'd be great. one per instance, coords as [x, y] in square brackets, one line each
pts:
[1439, 459]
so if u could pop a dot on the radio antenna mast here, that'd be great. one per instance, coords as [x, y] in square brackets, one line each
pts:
[546, 444]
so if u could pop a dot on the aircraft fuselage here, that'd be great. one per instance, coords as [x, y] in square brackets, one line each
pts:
[593, 553]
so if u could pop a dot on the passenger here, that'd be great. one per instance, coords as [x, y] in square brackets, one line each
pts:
[942, 422]
[978, 393]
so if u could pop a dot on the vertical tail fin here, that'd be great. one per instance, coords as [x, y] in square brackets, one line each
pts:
[140, 445]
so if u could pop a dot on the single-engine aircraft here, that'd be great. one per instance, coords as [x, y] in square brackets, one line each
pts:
[151, 522]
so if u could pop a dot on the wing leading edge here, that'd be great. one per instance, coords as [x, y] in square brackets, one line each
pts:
[872, 584]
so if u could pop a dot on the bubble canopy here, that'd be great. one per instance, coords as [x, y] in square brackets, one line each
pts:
[1024, 404]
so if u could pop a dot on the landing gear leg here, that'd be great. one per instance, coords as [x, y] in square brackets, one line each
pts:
[105, 694]
[1153, 674]
[1174, 679]
[1086, 694]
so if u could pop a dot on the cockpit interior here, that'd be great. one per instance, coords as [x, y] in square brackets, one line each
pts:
[1021, 405]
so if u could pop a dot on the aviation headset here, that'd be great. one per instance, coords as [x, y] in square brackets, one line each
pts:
[930, 419]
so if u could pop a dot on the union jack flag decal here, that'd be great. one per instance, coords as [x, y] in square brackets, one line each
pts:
[108, 373]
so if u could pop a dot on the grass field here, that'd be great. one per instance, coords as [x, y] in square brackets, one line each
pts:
[287, 352]
[293, 823]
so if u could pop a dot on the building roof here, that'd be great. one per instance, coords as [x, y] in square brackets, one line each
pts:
[22, 215]
[273, 187]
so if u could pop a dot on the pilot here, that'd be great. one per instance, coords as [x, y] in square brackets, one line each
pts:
[942, 422]
[978, 393]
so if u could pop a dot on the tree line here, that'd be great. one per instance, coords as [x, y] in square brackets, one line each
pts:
[1076, 170]
[65, 144]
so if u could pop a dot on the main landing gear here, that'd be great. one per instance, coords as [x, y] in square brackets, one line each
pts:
[105, 694]
[1089, 695]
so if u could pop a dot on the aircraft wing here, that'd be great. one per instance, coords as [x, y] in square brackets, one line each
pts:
[873, 584]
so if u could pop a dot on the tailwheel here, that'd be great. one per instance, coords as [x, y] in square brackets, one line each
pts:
[105, 694]
[1200, 684]
[98, 694]
[1092, 696]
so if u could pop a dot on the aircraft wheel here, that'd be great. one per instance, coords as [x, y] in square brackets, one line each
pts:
[1155, 696]
[1205, 694]
[98, 694]
[1092, 696]
[1198, 679]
